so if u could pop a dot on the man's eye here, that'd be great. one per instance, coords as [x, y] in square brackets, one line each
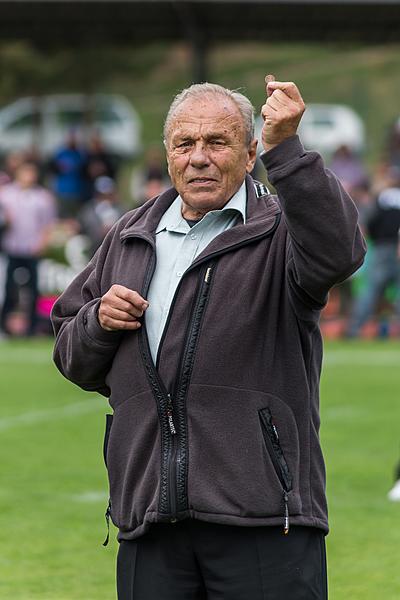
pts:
[217, 143]
[185, 144]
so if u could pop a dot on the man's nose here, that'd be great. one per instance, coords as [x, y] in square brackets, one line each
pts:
[199, 155]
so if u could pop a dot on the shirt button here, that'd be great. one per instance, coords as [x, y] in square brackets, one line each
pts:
[179, 273]
[193, 236]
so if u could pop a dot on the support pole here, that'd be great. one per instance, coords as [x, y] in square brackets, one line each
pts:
[197, 39]
[199, 58]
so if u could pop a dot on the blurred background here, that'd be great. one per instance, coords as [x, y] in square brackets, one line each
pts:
[84, 89]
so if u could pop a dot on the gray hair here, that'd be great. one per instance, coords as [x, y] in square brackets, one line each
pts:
[196, 90]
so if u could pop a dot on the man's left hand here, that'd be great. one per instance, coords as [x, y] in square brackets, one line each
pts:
[281, 112]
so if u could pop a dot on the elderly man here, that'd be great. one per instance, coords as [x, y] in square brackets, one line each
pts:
[198, 318]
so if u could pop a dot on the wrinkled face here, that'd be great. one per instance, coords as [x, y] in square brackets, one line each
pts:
[207, 153]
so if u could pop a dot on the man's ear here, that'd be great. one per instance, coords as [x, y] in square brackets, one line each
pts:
[251, 155]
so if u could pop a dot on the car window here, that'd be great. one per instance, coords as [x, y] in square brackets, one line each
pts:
[106, 115]
[323, 122]
[24, 121]
[68, 117]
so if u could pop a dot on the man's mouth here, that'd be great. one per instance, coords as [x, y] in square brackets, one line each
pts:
[201, 180]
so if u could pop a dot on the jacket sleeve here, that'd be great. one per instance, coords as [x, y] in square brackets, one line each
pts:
[84, 350]
[325, 244]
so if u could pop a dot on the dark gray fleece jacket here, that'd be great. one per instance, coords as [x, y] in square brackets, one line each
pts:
[224, 428]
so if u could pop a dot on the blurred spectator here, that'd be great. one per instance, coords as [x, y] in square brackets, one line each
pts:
[4, 178]
[99, 215]
[99, 163]
[29, 211]
[362, 197]
[11, 163]
[348, 168]
[68, 167]
[382, 225]
[153, 179]
[153, 187]
[155, 166]
[393, 147]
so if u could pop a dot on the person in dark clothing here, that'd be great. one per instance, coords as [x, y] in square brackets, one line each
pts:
[99, 163]
[382, 225]
[68, 169]
[198, 318]
[99, 214]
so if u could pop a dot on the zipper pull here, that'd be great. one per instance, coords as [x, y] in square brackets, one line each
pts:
[207, 275]
[286, 517]
[107, 516]
[169, 415]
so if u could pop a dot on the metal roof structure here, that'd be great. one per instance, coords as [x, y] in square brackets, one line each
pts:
[54, 23]
[48, 22]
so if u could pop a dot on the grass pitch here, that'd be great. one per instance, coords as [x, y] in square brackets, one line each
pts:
[53, 490]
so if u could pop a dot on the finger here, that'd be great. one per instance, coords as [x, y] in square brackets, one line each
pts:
[267, 108]
[114, 302]
[117, 315]
[268, 113]
[288, 87]
[268, 79]
[117, 325]
[130, 296]
[274, 103]
[283, 99]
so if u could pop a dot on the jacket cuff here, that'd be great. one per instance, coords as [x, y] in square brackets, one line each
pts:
[287, 151]
[93, 328]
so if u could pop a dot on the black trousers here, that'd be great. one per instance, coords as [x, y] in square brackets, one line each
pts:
[30, 264]
[193, 560]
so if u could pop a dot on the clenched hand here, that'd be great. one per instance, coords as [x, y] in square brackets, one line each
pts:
[120, 309]
[281, 112]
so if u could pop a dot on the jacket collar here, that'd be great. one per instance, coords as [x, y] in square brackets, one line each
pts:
[172, 219]
[260, 218]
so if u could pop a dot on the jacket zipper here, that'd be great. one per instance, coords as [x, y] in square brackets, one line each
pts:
[164, 406]
[169, 442]
[171, 463]
[271, 438]
[179, 466]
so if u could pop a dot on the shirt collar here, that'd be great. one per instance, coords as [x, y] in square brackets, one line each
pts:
[172, 219]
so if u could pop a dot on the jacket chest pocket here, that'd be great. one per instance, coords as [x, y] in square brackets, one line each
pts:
[274, 449]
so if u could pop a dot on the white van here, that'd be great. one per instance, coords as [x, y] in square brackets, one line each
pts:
[325, 127]
[44, 122]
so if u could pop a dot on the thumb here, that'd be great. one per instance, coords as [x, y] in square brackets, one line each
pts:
[268, 79]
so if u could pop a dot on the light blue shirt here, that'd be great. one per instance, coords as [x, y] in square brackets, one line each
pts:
[177, 245]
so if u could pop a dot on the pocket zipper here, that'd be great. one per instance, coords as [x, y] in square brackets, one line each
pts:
[107, 517]
[271, 437]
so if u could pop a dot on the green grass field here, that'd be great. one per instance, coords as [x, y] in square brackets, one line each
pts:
[53, 483]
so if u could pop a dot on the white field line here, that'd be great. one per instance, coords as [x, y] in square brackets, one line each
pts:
[15, 356]
[52, 414]
[361, 358]
[350, 357]
[90, 497]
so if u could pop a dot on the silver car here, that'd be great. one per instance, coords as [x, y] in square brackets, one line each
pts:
[43, 122]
